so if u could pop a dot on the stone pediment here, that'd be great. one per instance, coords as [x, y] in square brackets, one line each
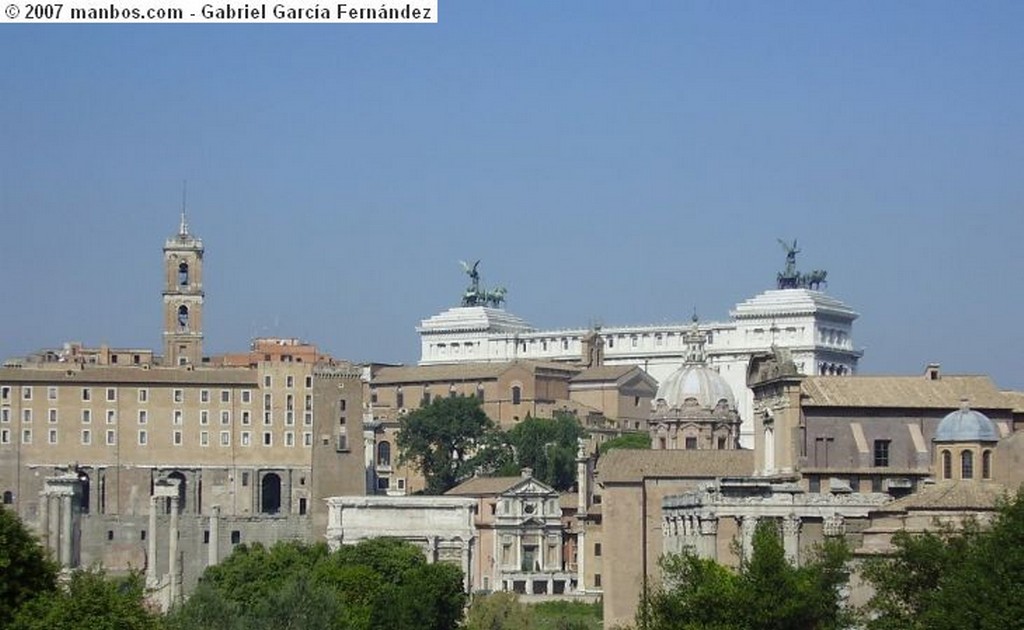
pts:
[530, 487]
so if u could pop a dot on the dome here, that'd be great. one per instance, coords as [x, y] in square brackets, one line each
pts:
[966, 425]
[696, 382]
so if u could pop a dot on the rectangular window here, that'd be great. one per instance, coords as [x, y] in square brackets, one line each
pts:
[289, 418]
[268, 438]
[179, 395]
[26, 415]
[882, 453]
[307, 418]
[177, 438]
[691, 443]
[204, 396]
[178, 416]
[5, 414]
[225, 438]
[597, 549]
[246, 438]
[26, 392]
[246, 396]
[86, 416]
[309, 382]
[289, 438]
[204, 417]
[111, 394]
[309, 401]
[225, 396]
[289, 381]
[86, 394]
[267, 381]
[51, 436]
[143, 395]
[5, 436]
[111, 437]
[26, 436]
[111, 416]
[597, 580]
[204, 438]
[268, 402]
[246, 418]
[143, 437]
[307, 438]
[225, 417]
[86, 437]
[5, 392]
[267, 418]
[51, 415]
[51, 393]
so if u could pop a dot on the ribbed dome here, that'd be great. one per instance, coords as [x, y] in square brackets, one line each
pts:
[703, 385]
[966, 425]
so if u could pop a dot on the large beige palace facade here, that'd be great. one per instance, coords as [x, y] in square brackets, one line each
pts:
[107, 451]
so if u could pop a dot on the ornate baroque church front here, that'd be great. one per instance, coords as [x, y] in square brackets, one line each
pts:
[816, 329]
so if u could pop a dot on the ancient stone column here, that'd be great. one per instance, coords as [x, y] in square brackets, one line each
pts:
[66, 530]
[709, 536]
[151, 580]
[172, 552]
[213, 550]
[44, 519]
[747, 526]
[791, 538]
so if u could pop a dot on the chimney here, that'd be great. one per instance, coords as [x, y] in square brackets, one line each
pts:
[526, 473]
[932, 372]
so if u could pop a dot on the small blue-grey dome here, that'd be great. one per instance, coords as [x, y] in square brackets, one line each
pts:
[966, 425]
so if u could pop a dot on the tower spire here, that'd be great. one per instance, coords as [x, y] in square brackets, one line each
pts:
[183, 227]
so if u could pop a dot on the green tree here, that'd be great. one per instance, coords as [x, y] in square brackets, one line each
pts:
[548, 447]
[499, 611]
[766, 593]
[375, 585]
[441, 439]
[967, 578]
[636, 441]
[90, 601]
[25, 569]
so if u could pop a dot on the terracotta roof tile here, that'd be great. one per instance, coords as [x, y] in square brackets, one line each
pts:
[903, 392]
[953, 495]
[627, 465]
[484, 485]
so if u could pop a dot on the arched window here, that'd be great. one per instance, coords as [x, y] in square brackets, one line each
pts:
[986, 465]
[183, 274]
[769, 450]
[966, 465]
[384, 454]
[947, 465]
[270, 494]
[8, 497]
[517, 394]
[183, 317]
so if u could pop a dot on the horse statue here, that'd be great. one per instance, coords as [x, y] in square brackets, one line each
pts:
[816, 278]
[496, 297]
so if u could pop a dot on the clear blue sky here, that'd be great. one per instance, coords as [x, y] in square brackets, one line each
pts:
[620, 161]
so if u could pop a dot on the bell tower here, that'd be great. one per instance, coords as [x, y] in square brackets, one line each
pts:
[183, 298]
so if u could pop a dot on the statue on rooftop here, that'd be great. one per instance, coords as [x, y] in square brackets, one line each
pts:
[790, 278]
[475, 295]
